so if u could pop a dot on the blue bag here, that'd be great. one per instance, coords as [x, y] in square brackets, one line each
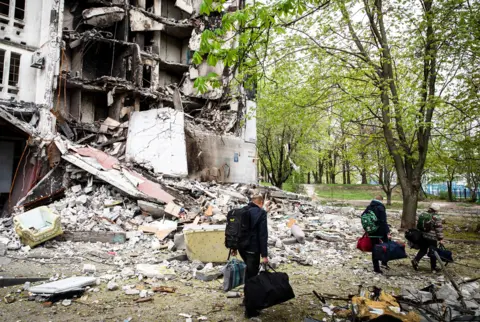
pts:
[389, 251]
[444, 254]
[233, 274]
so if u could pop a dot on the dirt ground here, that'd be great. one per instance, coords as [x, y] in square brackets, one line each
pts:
[207, 299]
[197, 298]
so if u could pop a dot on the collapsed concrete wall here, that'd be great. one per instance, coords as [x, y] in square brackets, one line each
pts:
[156, 139]
[221, 158]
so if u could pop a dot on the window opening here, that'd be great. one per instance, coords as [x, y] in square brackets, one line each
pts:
[14, 69]
[2, 61]
[19, 9]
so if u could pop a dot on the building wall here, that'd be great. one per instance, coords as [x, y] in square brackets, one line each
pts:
[34, 36]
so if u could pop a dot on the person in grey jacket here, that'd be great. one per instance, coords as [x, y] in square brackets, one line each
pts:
[432, 233]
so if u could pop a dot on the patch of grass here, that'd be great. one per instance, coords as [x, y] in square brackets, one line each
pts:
[265, 184]
[352, 191]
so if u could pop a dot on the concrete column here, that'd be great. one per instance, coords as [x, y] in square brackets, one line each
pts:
[115, 110]
[46, 124]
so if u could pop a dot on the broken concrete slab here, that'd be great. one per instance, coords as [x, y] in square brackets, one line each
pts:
[328, 236]
[185, 5]
[64, 285]
[156, 138]
[140, 22]
[172, 209]
[105, 167]
[103, 17]
[155, 210]
[94, 236]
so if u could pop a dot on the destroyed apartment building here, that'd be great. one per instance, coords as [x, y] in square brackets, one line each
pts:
[106, 87]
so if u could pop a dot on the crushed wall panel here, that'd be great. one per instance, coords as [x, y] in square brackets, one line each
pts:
[221, 158]
[156, 138]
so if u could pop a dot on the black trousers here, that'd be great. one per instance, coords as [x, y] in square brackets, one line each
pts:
[424, 249]
[376, 241]
[252, 260]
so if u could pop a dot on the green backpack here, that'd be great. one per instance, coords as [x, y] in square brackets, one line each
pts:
[369, 222]
[424, 222]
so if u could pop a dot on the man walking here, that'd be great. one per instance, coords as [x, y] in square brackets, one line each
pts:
[257, 245]
[430, 224]
[382, 233]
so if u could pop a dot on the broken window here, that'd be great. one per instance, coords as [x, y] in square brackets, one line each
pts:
[2, 61]
[14, 69]
[19, 9]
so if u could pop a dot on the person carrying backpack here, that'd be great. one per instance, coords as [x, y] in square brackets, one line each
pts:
[430, 224]
[374, 221]
[252, 239]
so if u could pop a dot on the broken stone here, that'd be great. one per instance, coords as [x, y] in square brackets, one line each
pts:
[232, 295]
[143, 293]
[298, 233]
[289, 241]
[157, 271]
[151, 208]
[81, 200]
[328, 236]
[67, 302]
[76, 189]
[179, 240]
[112, 286]
[471, 305]
[132, 292]
[3, 249]
[447, 292]
[89, 268]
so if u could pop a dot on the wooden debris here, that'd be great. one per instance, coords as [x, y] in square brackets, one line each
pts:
[164, 289]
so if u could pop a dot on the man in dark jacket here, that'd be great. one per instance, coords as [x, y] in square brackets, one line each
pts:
[257, 247]
[382, 234]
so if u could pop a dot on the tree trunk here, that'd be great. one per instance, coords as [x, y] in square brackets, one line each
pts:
[449, 189]
[320, 171]
[349, 181]
[364, 176]
[344, 173]
[308, 180]
[474, 195]
[409, 209]
[389, 197]
[380, 175]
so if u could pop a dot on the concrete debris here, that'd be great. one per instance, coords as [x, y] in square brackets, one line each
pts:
[66, 302]
[156, 271]
[103, 17]
[89, 268]
[63, 286]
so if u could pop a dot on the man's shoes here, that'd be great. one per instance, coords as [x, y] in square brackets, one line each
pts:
[385, 265]
[378, 271]
[415, 265]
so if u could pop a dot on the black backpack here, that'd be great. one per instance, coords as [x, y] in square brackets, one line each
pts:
[237, 232]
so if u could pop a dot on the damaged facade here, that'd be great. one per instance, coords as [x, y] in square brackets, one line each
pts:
[114, 77]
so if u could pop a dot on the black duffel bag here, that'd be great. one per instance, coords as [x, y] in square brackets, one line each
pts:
[414, 236]
[267, 289]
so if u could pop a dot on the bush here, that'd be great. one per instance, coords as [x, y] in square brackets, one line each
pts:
[444, 196]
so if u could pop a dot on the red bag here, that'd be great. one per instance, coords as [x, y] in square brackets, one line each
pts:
[364, 243]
